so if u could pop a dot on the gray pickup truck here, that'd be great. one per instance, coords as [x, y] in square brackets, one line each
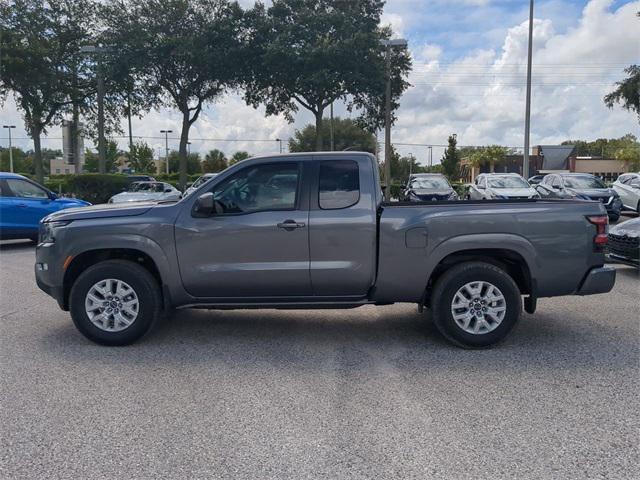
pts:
[312, 231]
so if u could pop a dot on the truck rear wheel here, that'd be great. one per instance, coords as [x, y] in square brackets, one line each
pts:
[115, 302]
[475, 304]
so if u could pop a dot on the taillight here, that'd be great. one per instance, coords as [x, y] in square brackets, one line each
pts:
[601, 222]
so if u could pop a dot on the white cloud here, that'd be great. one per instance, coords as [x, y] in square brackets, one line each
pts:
[481, 96]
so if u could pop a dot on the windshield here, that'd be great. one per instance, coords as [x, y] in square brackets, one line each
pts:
[583, 182]
[146, 187]
[434, 183]
[202, 180]
[508, 182]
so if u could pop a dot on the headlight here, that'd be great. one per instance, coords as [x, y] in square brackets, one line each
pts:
[47, 230]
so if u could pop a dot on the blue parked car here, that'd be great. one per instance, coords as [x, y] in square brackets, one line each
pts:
[23, 203]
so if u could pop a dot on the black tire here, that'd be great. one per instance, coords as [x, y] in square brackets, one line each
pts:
[141, 281]
[614, 218]
[638, 208]
[455, 278]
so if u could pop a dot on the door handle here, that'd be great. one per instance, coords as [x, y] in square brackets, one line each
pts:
[21, 205]
[291, 225]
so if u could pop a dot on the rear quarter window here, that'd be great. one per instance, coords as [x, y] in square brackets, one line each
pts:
[339, 184]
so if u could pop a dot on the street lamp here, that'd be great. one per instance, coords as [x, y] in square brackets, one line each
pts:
[389, 44]
[188, 148]
[9, 127]
[280, 142]
[166, 146]
[98, 51]
[527, 113]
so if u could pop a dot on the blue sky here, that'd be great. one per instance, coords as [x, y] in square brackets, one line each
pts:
[469, 70]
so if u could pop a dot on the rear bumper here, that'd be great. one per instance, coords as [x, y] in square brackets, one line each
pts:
[598, 280]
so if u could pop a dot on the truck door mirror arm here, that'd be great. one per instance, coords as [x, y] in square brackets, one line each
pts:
[204, 206]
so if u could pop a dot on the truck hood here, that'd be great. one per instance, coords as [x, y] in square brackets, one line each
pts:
[99, 211]
[137, 197]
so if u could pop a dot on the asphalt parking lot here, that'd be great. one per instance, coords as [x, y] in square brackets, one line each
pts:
[365, 393]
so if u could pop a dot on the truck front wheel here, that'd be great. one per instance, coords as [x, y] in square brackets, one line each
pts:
[475, 304]
[115, 302]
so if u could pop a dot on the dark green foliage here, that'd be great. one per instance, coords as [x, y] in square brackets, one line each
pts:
[215, 161]
[311, 53]
[96, 187]
[451, 160]
[189, 51]
[141, 158]
[39, 48]
[627, 92]
[346, 133]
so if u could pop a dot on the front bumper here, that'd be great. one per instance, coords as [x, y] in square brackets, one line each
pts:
[49, 273]
[598, 280]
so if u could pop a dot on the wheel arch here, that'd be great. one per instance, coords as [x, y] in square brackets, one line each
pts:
[515, 255]
[88, 258]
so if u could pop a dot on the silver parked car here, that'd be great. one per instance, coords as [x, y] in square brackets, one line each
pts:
[628, 187]
[200, 181]
[493, 186]
[147, 192]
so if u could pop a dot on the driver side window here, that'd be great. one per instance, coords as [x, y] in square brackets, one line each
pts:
[24, 189]
[259, 188]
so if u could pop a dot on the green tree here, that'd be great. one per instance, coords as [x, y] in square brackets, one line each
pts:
[141, 158]
[215, 161]
[627, 92]
[188, 48]
[239, 156]
[492, 155]
[311, 53]
[19, 163]
[39, 45]
[112, 153]
[194, 164]
[451, 160]
[346, 133]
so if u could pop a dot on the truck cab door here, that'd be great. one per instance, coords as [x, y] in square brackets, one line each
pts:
[343, 227]
[256, 244]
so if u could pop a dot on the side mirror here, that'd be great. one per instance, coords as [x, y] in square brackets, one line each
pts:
[52, 196]
[204, 205]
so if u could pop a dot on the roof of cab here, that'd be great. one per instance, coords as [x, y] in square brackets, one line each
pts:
[340, 154]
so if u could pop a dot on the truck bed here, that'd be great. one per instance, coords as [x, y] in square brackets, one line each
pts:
[553, 238]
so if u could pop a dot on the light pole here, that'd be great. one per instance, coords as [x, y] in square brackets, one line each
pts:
[410, 164]
[279, 140]
[166, 147]
[331, 144]
[99, 51]
[431, 155]
[388, 44]
[188, 148]
[9, 127]
[527, 115]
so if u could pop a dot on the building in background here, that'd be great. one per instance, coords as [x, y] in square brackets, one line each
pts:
[59, 166]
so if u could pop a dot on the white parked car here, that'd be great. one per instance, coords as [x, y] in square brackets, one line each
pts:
[628, 187]
[195, 185]
[147, 192]
[492, 186]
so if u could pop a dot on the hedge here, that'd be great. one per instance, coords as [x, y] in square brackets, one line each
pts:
[92, 187]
